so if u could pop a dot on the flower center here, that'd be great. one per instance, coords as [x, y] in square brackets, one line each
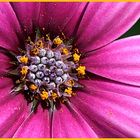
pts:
[49, 71]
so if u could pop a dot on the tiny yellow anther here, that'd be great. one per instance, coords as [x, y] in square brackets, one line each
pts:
[57, 41]
[44, 95]
[24, 70]
[48, 37]
[35, 51]
[81, 70]
[68, 90]
[70, 82]
[65, 51]
[54, 95]
[33, 87]
[23, 59]
[76, 57]
[40, 44]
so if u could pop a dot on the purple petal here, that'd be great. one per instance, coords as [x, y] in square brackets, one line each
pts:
[9, 29]
[69, 124]
[13, 116]
[4, 62]
[14, 112]
[27, 14]
[11, 113]
[118, 61]
[35, 125]
[104, 22]
[55, 17]
[108, 109]
[12, 109]
[5, 90]
[49, 16]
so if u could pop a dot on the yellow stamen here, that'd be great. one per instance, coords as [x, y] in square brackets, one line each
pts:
[57, 41]
[76, 50]
[24, 70]
[44, 95]
[65, 51]
[23, 59]
[33, 87]
[81, 70]
[54, 95]
[70, 82]
[40, 44]
[68, 90]
[35, 51]
[76, 57]
[48, 37]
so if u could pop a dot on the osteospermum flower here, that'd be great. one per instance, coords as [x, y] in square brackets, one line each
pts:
[62, 73]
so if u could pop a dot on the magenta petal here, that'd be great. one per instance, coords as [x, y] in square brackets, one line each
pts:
[5, 95]
[27, 14]
[12, 109]
[14, 117]
[55, 17]
[4, 62]
[118, 61]
[36, 125]
[104, 22]
[9, 27]
[110, 113]
[12, 113]
[51, 17]
[69, 124]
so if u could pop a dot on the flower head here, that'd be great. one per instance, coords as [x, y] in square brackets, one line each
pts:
[45, 68]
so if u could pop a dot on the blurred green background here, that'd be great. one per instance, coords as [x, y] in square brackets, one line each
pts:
[135, 30]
